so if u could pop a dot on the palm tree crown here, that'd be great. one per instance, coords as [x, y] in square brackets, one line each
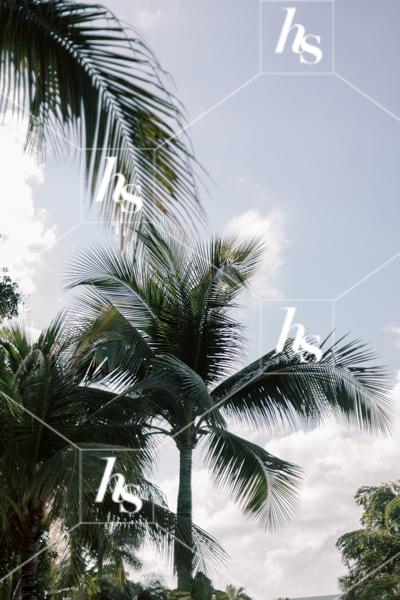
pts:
[157, 327]
[53, 440]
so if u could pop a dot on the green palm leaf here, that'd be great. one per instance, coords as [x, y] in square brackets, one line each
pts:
[54, 433]
[175, 291]
[280, 388]
[171, 299]
[80, 72]
[264, 485]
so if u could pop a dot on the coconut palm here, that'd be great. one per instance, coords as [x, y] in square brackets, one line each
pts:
[80, 73]
[158, 326]
[53, 438]
[236, 593]
[64, 569]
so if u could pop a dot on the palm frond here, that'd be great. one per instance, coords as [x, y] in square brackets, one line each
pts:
[280, 388]
[107, 345]
[265, 486]
[176, 292]
[80, 72]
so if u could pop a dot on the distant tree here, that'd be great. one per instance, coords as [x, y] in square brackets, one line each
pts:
[9, 297]
[236, 593]
[372, 554]
[152, 588]
[200, 588]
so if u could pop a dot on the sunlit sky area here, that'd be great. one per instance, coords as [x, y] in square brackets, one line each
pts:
[308, 158]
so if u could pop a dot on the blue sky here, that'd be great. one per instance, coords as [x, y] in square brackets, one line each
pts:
[309, 160]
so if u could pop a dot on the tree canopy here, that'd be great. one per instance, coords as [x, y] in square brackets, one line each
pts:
[53, 440]
[10, 297]
[157, 326]
[372, 554]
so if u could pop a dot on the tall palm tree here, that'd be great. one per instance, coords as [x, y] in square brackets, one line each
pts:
[157, 326]
[53, 437]
[81, 73]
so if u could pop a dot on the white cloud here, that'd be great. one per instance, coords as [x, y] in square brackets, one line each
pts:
[23, 228]
[300, 560]
[271, 227]
[396, 330]
[148, 13]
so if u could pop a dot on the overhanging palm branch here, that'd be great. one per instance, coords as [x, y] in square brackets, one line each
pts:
[80, 72]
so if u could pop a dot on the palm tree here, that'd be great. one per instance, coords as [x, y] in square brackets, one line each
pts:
[157, 326]
[52, 441]
[152, 587]
[83, 74]
[236, 593]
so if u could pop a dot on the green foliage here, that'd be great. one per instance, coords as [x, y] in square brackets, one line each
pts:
[156, 324]
[370, 553]
[39, 466]
[44, 571]
[107, 590]
[236, 593]
[151, 588]
[201, 588]
[10, 298]
[84, 74]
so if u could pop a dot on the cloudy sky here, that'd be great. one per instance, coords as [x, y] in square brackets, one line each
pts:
[305, 154]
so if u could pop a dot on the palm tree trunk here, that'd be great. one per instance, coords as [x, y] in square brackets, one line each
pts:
[183, 551]
[29, 547]
[30, 532]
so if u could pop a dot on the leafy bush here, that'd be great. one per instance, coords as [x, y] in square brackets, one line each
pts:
[9, 297]
[372, 554]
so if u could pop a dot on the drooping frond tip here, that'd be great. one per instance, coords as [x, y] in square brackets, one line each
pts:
[86, 80]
